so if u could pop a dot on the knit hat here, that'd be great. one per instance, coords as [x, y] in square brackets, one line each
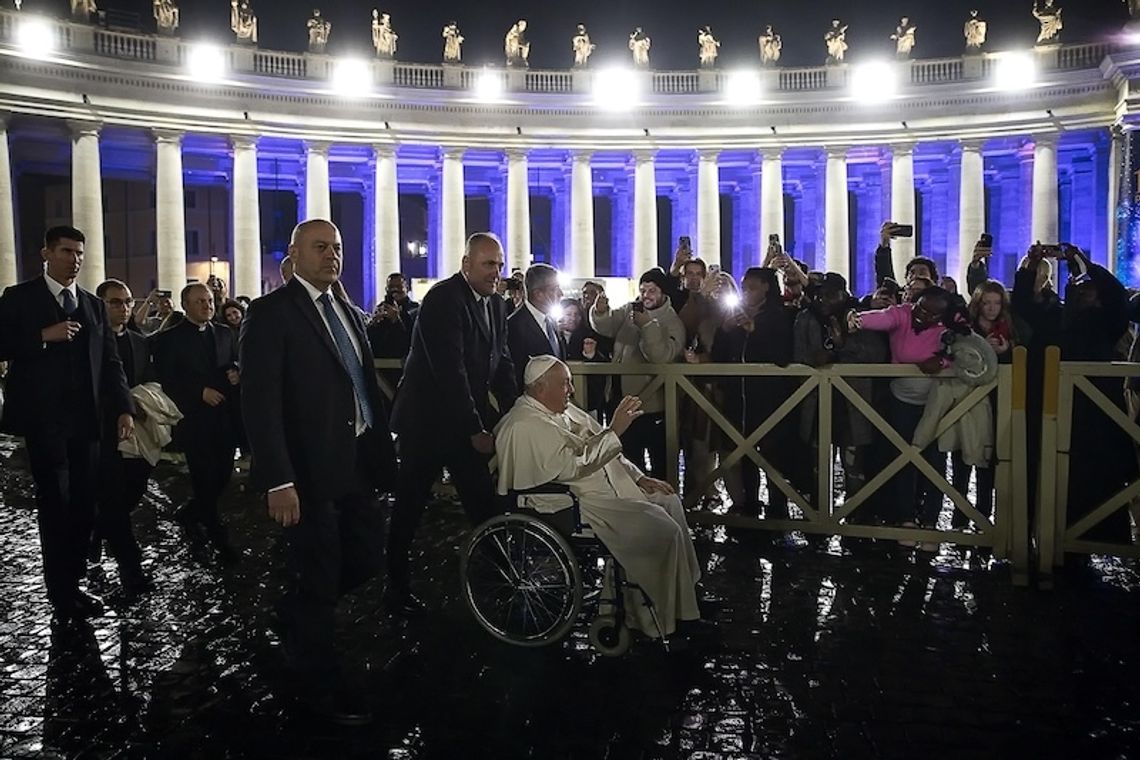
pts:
[656, 276]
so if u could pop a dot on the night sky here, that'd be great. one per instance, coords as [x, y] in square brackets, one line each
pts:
[671, 24]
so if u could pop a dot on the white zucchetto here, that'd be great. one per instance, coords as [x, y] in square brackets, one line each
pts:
[537, 367]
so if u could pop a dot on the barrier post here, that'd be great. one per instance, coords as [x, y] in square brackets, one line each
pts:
[1013, 470]
[1047, 482]
[672, 434]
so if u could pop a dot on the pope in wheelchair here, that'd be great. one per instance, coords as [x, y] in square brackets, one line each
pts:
[544, 439]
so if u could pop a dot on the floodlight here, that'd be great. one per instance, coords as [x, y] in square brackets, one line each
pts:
[874, 81]
[742, 88]
[35, 37]
[1015, 71]
[616, 89]
[564, 280]
[489, 85]
[206, 62]
[731, 300]
[351, 76]
[555, 312]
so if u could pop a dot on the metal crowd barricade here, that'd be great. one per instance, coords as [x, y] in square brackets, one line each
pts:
[1055, 536]
[828, 510]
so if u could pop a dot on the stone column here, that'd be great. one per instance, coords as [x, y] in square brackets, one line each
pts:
[837, 239]
[902, 204]
[318, 201]
[518, 211]
[1046, 217]
[644, 213]
[386, 213]
[170, 212]
[971, 209]
[771, 198]
[708, 207]
[581, 215]
[453, 213]
[87, 201]
[9, 269]
[247, 219]
[1119, 181]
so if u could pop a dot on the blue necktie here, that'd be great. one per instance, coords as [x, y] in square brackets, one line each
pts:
[69, 305]
[348, 356]
[552, 336]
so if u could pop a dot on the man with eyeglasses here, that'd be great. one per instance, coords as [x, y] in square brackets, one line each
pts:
[123, 480]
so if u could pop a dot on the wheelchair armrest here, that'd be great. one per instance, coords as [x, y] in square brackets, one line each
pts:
[517, 498]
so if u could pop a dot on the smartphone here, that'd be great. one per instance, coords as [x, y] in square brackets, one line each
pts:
[637, 306]
[773, 239]
[986, 240]
[1052, 251]
[164, 294]
[685, 242]
[390, 300]
[902, 230]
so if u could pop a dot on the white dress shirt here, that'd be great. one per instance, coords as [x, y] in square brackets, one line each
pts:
[57, 290]
[346, 321]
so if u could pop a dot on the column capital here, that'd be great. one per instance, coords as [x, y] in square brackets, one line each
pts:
[901, 147]
[515, 153]
[975, 144]
[5, 117]
[772, 154]
[708, 154]
[80, 128]
[1046, 138]
[581, 155]
[384, 150]
[320, 147]
[644, 155]
[837, 151]
[172, 136]
[452, 153]
[243, 141]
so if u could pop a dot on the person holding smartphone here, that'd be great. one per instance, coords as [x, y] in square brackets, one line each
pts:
[156, 312]
[919, 266]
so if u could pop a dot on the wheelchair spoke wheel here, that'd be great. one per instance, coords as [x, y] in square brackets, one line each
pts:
[521, 580]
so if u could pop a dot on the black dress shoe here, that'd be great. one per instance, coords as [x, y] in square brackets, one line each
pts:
[403, 603]
[337, 707]
[135, 581]
[87, 605]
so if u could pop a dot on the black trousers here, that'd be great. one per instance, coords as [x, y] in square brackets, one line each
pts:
[646, 436]
[122, 486]
[64, 470]
[211, 463]
[336, 547]
[422, 459]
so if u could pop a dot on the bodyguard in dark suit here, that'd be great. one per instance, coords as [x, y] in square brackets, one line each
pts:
[321, 451]
[64, 366]
[531, 331]
[122, 480]
[442, 413]
[196, 362]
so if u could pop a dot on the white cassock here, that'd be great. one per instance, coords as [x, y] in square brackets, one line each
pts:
[648, 535]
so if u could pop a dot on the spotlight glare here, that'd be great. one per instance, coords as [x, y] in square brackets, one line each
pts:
[489, 85]
[1015, 71]
[564, 280]
[616, 89]
[206, 62]
[874, 81]
[351, 76]
[731, 300]
[556, 312]
[742, 88]
[35, 36]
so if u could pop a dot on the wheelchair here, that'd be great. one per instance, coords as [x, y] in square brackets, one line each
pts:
[528, 576]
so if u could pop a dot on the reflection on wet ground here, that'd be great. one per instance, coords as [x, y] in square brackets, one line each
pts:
[825, 649]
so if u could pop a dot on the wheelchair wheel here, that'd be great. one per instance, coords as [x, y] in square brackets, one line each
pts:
[521, 580]
[609, 636]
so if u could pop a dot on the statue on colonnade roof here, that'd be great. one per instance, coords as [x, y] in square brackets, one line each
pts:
[836, 41]
[975, 32]
[319, 30]
[582, 47]
[383, 36]
[166, 16]
[771, 47]
[516, 46]
[708, 47]
[243, 22]
[904, 38]
[640, 43]
[452, 43]
[83, 10]
[1048, 14]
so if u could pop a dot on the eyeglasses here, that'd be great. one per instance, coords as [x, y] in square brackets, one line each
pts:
[128, 302]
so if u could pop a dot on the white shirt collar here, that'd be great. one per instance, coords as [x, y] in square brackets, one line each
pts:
[56, 288]
[538, 315]
[479, 297]
[309, 287]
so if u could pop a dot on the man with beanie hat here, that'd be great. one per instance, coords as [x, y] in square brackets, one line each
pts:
[645, 331]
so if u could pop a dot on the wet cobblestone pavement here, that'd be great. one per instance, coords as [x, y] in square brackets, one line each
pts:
[823, 650]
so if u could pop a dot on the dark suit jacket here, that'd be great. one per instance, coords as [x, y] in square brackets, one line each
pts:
[141, 368]
[453, 364]
[298, 403]
[36, 395]
[185, 368]
[526, 339]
